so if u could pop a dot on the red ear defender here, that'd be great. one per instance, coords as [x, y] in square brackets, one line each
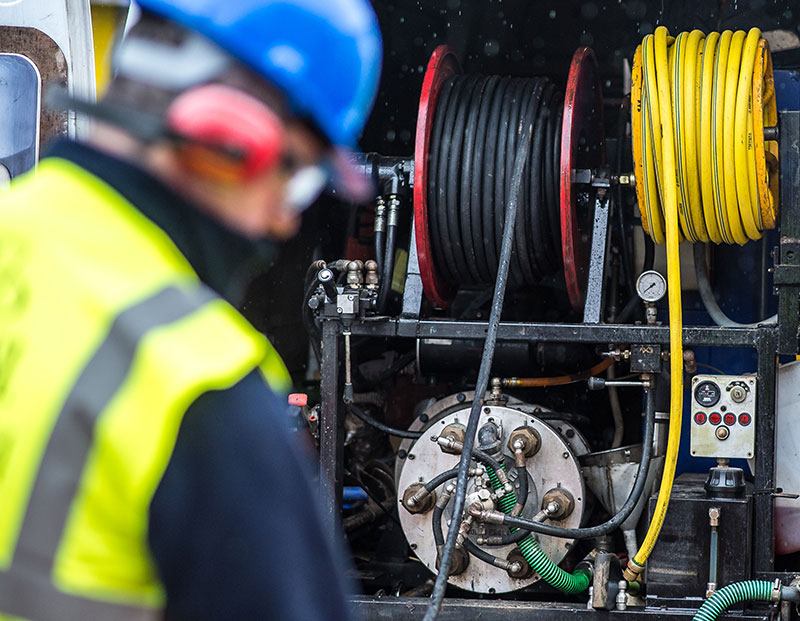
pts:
[224, 133]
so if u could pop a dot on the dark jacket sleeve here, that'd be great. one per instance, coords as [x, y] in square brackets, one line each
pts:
[234, 527]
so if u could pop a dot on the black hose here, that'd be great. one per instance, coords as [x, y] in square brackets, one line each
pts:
[626, 509]
[476, 128]
[436, 522]
[388, 258]
[441, 478]
[511, 208]
[372, 422]
[481, 554]
[380, 244]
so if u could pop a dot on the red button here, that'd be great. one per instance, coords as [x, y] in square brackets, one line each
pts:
[700, 418]
[298, 399]
[744, 419]
[715, 418]
[730, 418]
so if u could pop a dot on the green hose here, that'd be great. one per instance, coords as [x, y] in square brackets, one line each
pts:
[551, 573]
[714, 606]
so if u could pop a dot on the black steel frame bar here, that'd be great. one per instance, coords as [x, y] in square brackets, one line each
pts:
[787, 268]
[331, 431]
[380, 609]
[549, 332]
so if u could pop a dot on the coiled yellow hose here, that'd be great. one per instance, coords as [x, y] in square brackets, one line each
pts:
[700, 104]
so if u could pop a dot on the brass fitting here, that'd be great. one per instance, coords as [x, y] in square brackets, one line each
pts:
[458, 562]
[451, 440]
[632, 572]
[558, 504]
[517, 565]
[529, 438]
[416, 499]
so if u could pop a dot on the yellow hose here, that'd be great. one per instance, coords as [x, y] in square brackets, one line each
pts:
[699, 107]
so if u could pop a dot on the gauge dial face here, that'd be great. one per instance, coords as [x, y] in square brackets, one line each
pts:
[707, 394]
[651, 286]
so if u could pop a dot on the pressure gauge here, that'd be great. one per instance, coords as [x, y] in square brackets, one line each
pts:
[707, 394]
[651, 286]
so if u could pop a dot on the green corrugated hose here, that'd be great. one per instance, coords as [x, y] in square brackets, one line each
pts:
[714, 606]
[551, 573]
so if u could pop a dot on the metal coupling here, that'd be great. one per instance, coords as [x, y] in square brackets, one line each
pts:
[632, 572]
[622, 595]
[451, 440]
[393, 214]
[777, 587]
[496, 396]
[463, 531]
[713, 516]
[598, 383]
[417, 499]
[380, 215]
[355, 275]
[490, 516]
[371, 277]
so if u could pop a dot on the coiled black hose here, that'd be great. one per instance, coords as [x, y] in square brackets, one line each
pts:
[525, 132]
[473, 145]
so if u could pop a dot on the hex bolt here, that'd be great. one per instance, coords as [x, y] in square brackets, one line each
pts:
[558, 504]
[529, 438]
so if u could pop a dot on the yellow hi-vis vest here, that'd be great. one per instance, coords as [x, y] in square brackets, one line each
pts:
[107, 336]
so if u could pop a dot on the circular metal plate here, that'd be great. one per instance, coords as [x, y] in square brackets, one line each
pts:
[582, 147]
[442, 65]
[555, 465]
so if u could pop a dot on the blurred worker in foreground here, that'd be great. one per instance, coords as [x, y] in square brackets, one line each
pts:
[144, 465]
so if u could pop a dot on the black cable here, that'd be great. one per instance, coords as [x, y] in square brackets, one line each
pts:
[380, 245]
[372, 422]
[480, 553]
[441, 478]
[511, 208]
[388, 264]
[626, 509]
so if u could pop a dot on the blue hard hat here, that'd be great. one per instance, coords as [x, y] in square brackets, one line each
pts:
[324, 55]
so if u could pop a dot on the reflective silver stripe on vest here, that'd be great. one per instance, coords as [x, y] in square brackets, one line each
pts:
[65, 457]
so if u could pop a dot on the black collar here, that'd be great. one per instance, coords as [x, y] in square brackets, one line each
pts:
[223, 259]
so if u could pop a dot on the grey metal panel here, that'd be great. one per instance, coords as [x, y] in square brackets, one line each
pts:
[20, 105]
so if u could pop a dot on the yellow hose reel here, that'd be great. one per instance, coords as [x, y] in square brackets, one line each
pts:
[721, 96]
[703, 172]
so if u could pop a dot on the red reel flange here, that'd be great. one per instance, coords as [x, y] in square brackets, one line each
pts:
[582, 147]
[442, 65]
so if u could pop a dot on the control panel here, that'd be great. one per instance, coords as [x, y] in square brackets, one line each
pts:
[723, 415]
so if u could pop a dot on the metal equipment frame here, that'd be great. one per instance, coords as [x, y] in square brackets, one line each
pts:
[767, 340]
